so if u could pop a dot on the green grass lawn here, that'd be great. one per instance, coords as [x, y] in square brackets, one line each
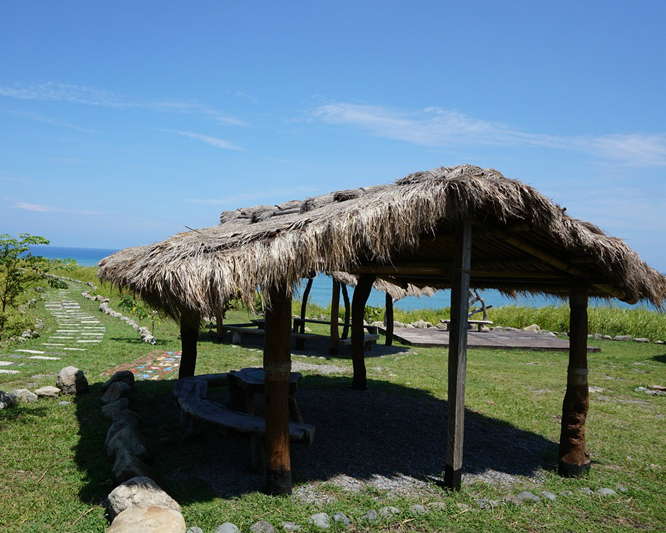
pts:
[55, 471]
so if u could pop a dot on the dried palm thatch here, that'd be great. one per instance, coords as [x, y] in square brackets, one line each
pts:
[401, 232]
[396, 292]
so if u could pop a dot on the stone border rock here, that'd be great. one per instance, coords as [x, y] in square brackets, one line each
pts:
[70, 381]
[104, 307]
[137, 503]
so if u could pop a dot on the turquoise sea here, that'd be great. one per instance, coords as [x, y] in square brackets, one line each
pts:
[322, 286]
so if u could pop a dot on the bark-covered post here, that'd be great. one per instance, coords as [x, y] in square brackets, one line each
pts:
[219, 321]
[361, 293]
[335, 312]
[300, 343]
[458, 355]
[304, 305]
[277, 367]
[388, 319]
[189, 335]
[345, 298]
[574, 457]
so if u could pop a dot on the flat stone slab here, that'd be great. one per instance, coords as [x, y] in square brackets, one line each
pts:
[44, 358]
[30, 351]
[3, 371]
[6, 363]
[75, 349]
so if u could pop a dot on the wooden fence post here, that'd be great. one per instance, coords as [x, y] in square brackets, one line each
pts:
[574, 459]
[277, 367]
[458, 355]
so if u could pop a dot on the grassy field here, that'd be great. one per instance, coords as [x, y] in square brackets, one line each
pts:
[55, 471]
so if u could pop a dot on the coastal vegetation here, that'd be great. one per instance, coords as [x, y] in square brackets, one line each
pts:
[57, 476]
[22, 274]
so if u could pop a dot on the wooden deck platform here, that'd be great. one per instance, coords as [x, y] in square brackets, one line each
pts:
[494, 339]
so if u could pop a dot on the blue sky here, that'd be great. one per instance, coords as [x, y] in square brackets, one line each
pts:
[122, 123]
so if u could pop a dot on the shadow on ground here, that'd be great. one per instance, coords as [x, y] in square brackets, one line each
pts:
[391, 436]
[660, 358]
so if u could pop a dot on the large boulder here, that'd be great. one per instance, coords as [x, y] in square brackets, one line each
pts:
[127, 466]
[138, 492]
[115, 409]
[7, 400]
[116, 391]
[72, 381]
[123, 375]
[127, 438]
[24, 395]
[152, 518]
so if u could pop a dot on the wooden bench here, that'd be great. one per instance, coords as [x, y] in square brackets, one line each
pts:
[368, 340]
[238, 330]
[191, 394]
[478, 323]
[300, 321]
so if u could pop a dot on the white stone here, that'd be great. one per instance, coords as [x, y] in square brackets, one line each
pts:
[148, 520]
[48, 392]
[139, 492]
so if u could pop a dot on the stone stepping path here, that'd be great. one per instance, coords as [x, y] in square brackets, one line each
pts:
[75, 327]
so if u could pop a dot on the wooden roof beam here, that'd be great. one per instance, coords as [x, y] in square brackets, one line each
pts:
[560, 264]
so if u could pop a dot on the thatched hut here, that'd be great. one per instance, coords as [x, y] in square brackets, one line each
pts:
[445, 228]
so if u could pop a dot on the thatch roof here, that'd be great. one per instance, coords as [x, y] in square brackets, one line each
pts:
[396, 292]
[402, 232]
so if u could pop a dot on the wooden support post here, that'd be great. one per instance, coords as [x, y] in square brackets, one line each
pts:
[361, 293]
[277, 367]
[189, 335]
[219, 322]
[300, 343]
[335, 312]
[458, 356]
[388, 319]
[304, 304]
[345, 297]
[574, 457]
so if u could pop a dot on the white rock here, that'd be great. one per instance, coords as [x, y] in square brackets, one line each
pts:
[147, 520]
[48, 392]
[139, 492]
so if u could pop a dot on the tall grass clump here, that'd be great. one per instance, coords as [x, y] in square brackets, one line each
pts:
[637, 322]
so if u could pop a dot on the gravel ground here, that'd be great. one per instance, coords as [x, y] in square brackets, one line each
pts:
[393, 441]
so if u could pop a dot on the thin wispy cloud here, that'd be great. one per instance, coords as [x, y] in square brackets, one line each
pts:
[208, 139]
[437, 127]
[40, 208]
[11, 179]
[79, 94]
[49, 120]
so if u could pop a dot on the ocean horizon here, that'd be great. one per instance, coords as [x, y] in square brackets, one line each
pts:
[322, 286]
